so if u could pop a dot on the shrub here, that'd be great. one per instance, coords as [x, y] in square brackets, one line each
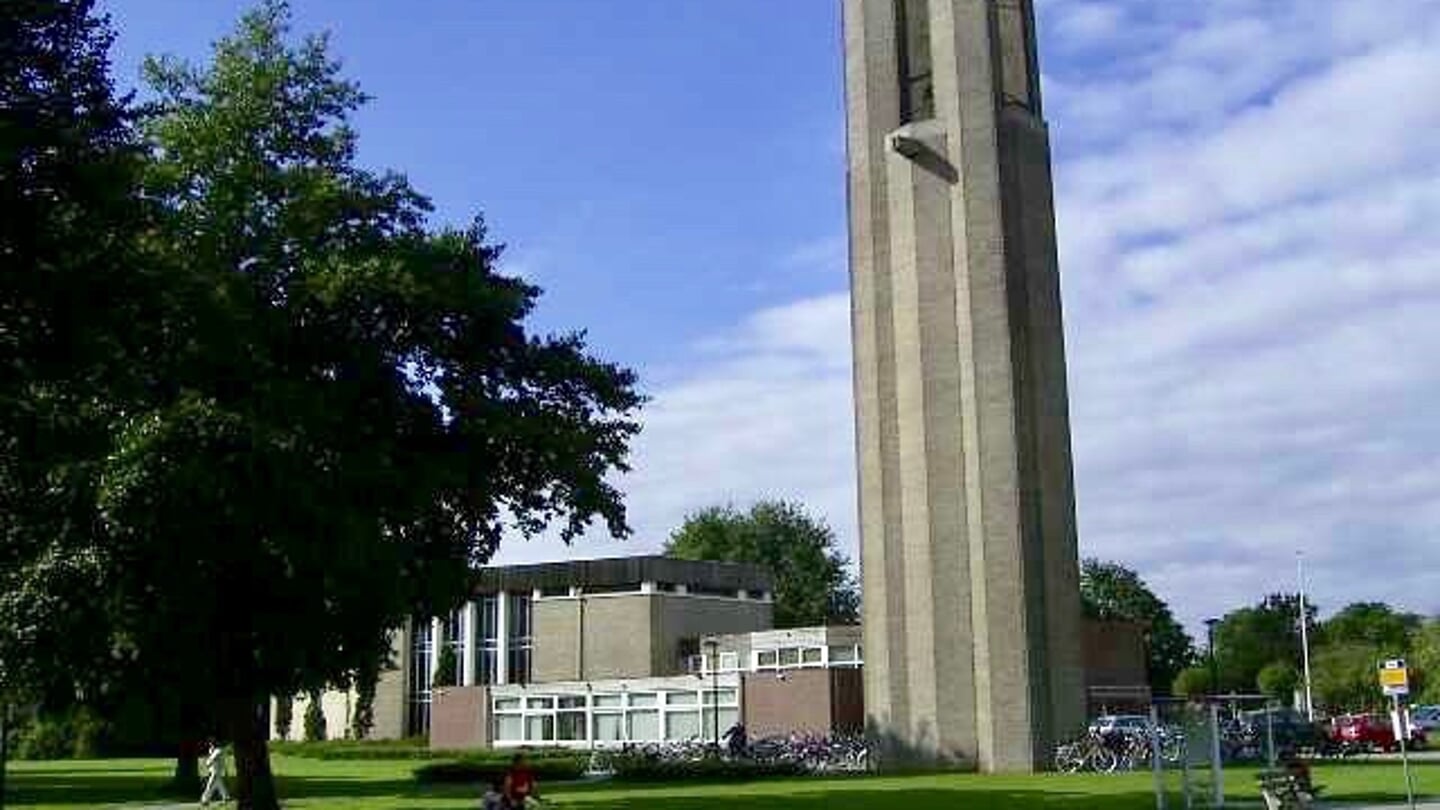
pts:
[363, 721]
[491, 765]
[314, 719]
[74, 734]
[46, 738]
[284, 716]
[447, 668]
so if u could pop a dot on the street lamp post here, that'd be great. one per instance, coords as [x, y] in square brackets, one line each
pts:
[1214, 662]
[712, 658]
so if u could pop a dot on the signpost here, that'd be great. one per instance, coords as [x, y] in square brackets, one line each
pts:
[1395, 682]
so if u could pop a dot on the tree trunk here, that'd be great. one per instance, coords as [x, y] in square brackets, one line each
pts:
[187, 769]
[254, 783]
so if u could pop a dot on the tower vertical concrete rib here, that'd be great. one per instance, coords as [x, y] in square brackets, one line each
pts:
[967, 513]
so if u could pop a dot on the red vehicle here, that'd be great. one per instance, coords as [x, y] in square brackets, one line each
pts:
[1370, 732]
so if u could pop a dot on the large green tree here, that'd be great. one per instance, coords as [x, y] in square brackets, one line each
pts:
[1351, 644]
[1425, 660]
[341, 411]
[1111, 591]
[1374, 624]
[1251, 638]
[813, 584]
[81, 314]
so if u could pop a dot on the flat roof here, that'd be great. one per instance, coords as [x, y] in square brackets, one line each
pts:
[620, 571]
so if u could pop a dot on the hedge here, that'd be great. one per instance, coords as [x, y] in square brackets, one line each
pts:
[554, 767]
[640, 767]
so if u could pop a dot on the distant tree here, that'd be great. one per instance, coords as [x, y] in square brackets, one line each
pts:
[362, 721]
[1192, 681]
[813, 584]
[1344, 679]
[1373, 624]
[315, 730]
[446, 667]
[1425, 661]
[1278, 680]
[1249, 639]
[1111, 591]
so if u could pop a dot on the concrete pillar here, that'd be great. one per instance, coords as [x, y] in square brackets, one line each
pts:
[502, 638]
[968, 548]
[469, 627]
[437, 637]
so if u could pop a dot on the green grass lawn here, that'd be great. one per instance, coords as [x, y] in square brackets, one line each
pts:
[387, 785]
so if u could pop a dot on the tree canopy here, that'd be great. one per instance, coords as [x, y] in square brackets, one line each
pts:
[309, 415]
[1251, 638]
[813, 584]
[1111, 591]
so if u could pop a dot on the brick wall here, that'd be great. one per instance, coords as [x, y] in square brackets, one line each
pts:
[460, 718]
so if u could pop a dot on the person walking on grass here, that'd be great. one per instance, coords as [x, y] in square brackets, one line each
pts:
[215, 775]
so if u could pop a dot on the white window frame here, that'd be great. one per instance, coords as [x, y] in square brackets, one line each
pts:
[702, 702]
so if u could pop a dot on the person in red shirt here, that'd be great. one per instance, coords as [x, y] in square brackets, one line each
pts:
[520, 785]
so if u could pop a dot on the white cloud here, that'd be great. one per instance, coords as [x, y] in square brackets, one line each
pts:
[765, 413]
[1248, 196]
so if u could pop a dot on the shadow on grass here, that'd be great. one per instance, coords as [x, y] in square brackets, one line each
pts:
[90, 789]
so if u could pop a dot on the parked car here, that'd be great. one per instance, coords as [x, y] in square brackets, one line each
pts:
[1293, 732]
[1372, 732]
[1426, 719]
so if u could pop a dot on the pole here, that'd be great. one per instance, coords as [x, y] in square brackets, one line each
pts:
[4, 749]
[1156, 763]
[1305, 636]
[1214, 662]
[1402, 729]
[1217, 768]
[714, 661]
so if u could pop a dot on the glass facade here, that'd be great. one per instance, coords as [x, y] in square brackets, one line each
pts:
[417, 709]
[521, 641]
[487, 650]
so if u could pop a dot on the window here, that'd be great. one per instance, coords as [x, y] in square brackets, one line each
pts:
[575, 720]
[623, 587]
[509, 727]
[539, 728]
[487, 669]
[725, 697]
[682, 725]
[790, 657]
[812, 656]
[917, 84]
[521, 641]
[729, 661]
[417, 718]
[644, 726]
[609, 727]
[570, 726]
[767, 659]
[843, 655]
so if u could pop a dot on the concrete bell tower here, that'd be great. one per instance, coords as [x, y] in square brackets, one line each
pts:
[967, 514]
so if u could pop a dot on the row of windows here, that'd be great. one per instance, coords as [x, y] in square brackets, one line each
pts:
[835, 655]
[675, 716]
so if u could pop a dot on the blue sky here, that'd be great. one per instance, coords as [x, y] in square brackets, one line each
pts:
[1247, 194]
